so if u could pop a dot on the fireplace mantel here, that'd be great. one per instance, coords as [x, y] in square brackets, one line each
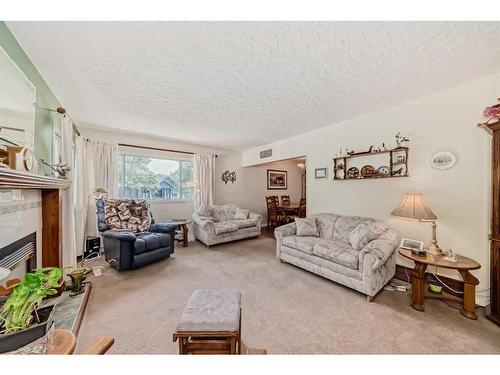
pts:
[52, 202]
[11, 179]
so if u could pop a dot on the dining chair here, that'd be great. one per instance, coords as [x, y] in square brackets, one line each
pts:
[285, 200]
[274, 217]
[302, 208]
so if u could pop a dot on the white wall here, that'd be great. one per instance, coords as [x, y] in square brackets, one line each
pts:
[250, 189]
[458, 196]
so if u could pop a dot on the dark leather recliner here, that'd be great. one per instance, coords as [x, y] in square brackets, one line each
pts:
[126, 250]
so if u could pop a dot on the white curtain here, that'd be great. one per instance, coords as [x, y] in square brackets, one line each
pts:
[203, 180]
[96, 167]
[68, 212]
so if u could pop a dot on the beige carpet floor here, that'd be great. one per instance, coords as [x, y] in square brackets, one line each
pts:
[285, 309]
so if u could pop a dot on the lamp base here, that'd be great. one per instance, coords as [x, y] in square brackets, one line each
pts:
[434, 250]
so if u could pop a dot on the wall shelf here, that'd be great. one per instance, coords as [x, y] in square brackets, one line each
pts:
[13, 179]
[396, 169]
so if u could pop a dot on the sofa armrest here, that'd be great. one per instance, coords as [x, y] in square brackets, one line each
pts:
[164, 227]
[119, 248]
[121, 236]
[381, 248]
[285, 230]
[256, 216]
[207, 225]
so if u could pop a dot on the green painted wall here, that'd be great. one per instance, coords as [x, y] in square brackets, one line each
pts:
[45, 121]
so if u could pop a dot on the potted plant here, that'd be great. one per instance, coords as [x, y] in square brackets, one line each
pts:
[21, 319]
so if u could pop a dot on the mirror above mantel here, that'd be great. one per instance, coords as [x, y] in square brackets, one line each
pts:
[17, 105]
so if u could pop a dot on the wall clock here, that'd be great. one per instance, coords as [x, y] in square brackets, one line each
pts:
[28, 159]
[443, 160]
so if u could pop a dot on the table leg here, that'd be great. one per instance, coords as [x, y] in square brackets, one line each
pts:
[418, 285]
[470, 282]
[185, 232]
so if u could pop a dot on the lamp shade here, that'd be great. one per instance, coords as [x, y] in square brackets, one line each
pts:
[414, 206]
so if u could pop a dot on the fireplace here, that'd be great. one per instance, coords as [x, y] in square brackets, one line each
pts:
[19, 252]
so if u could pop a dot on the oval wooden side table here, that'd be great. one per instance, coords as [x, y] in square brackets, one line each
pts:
[463, 265]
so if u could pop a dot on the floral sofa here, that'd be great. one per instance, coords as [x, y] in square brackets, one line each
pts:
[354, 251]
[218, 224]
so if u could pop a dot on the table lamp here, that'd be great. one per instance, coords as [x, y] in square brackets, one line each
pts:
[413, 206]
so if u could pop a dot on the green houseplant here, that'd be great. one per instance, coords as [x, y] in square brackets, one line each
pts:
[20, 318]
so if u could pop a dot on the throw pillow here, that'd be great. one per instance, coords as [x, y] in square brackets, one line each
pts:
[219, 213]
[204, 210]
[365, 233]
[306, 227]
[230, 210]
[241, 214]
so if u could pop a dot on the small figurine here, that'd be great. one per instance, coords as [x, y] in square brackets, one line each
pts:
[60, 168]
[400, 140]
[397, 172]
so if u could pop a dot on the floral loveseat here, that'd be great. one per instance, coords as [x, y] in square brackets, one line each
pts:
[354, 251]
[217, 224]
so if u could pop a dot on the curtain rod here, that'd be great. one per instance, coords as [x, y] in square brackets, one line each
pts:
[62, 111]
[157, 149]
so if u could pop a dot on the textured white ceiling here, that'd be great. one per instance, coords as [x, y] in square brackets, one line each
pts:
[236, 85]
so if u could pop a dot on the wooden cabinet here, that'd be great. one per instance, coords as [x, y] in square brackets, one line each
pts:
[493, 310]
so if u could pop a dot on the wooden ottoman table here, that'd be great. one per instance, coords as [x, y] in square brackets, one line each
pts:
[210, 323]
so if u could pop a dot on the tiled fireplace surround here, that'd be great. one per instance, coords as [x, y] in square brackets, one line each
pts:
[20, 215]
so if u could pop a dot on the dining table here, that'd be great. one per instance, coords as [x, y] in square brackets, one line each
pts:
[287, 208]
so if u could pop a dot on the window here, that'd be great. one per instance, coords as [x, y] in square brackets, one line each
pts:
[153, 178]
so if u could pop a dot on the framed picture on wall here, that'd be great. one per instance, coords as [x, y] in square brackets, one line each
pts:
[277, 180]
[320, 173]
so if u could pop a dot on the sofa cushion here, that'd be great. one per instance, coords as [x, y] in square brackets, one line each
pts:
[364, 233]
[326, 224]
[247, 223]
[346, 224]
[241, 214]
[337, 251]
[301, 243]
[211, 310]
[225, 227]
[306, 227]
[151, 241]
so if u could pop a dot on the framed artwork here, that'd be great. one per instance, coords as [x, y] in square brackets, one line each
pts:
[277, 180]
[320, 173]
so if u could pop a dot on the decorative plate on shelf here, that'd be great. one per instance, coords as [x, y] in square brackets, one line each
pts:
[353, 172]
[383, 171]
[367, 171]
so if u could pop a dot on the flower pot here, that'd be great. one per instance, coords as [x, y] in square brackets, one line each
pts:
[13, 341]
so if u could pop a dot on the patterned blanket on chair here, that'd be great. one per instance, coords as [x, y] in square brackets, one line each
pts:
[127, 215]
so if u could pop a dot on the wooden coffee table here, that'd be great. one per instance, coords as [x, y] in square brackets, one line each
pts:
[463, 265]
